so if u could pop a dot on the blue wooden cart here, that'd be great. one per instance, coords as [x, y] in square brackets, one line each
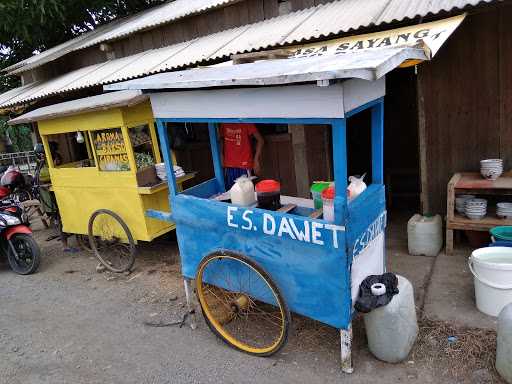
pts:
[252, 266]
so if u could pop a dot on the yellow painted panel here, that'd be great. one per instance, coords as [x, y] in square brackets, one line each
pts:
[92, 178]
[77, 204]
[87, 121]
[138, 114]
[158, 201]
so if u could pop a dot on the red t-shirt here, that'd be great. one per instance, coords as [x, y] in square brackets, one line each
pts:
[237, 145]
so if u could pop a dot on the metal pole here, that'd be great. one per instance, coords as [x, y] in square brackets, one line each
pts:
[346, 349]
[190, 304]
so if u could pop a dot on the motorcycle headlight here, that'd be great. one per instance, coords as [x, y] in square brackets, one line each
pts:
[10, 220]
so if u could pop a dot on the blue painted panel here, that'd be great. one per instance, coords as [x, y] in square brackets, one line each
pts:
[165, 146]
[205, 190]
[216, 156]
[378, 143]
[159, 215]
[366, 218]
[306, 258]
[339, 150]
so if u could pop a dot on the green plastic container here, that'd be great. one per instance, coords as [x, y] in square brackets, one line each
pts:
[502, 233]
[316, 192]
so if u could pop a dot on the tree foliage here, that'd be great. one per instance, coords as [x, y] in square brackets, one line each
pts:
[30, 26]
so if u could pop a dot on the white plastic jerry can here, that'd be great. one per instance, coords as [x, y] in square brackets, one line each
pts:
[391, 330]
[242, 192]
[425, 235]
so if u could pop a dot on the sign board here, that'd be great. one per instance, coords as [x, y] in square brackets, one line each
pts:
[430, 36]
[111, 150]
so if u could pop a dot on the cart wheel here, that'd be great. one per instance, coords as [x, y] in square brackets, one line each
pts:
[111, 241]
[241, 304]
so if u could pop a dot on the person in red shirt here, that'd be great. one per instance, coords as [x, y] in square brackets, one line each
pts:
[238, 156]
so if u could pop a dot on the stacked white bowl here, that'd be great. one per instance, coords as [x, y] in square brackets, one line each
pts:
[475, 209]
[491, 168]
[460, 203]
[160, 171]
[504, 210]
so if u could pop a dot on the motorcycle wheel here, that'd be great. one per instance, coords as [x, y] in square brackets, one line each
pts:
[29, 255]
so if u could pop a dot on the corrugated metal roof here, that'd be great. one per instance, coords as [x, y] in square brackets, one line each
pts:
[323, 20]
[117, 29]
[366, 65]
[88, 104]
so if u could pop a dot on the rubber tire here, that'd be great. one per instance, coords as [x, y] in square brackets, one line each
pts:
[128, 235]
[36, 255]
[265, 275]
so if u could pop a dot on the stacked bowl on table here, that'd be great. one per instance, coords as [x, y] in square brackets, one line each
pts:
[475, 209]
[504, 210]
[491, 168]
[460, 203]
[160, 171]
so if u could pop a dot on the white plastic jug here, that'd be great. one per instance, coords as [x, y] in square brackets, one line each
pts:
[242, 192]
[392, 330]
[425, 235]
[504, 344]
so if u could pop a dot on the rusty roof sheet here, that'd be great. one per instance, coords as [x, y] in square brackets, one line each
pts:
[88, 104]
[315, 22]
[312, 23]
[120, 28]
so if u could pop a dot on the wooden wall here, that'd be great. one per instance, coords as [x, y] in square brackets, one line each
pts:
[467, 102]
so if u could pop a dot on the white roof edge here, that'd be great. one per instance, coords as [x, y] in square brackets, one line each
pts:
[367, 65]
[84, 105]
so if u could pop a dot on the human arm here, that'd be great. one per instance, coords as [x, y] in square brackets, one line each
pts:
[259, 149]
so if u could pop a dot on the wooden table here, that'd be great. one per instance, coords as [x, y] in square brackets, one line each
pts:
[473, 183]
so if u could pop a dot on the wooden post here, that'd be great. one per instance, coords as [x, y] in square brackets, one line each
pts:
[422, 138]
[300, 159]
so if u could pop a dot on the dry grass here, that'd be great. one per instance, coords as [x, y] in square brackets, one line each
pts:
[471, 350]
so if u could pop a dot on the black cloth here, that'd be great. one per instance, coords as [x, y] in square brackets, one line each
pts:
[367, 301]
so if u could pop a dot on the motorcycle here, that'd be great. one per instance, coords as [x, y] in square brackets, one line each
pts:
[16, 241]
[14, 185]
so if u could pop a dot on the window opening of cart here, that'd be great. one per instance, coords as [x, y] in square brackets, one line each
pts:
[111, 150]
[70, 150]
[142, 144]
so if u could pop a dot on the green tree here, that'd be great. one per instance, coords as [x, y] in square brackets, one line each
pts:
[31, 26]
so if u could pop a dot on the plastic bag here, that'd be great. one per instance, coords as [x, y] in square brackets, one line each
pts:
[356, 186]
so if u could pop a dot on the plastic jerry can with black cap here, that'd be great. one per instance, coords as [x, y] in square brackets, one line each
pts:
[391, 330]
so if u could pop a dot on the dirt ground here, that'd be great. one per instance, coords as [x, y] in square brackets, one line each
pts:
[70, 324]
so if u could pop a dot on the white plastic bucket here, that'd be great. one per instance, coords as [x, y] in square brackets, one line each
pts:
[492, 271]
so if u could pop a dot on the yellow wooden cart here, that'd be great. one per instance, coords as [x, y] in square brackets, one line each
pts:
[101, 152]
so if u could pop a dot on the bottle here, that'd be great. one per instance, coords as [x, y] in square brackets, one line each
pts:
[392, 330]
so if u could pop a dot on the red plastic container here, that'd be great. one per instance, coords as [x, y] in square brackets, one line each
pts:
[268, 193]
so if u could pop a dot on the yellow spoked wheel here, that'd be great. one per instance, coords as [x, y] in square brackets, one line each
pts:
[241, 304]
[111, 241]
